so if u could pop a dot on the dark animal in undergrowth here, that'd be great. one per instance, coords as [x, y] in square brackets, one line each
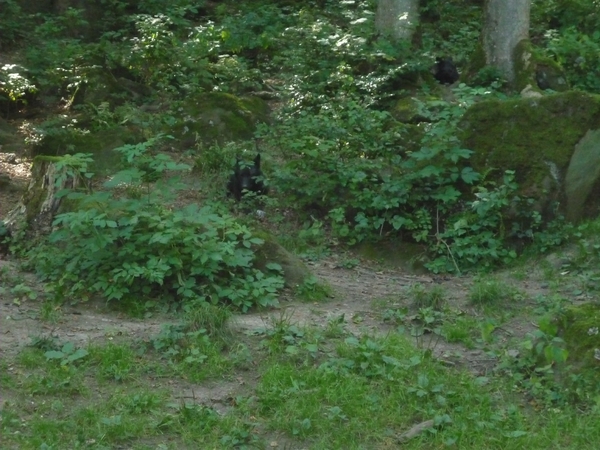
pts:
[445, 71]
[247, 178]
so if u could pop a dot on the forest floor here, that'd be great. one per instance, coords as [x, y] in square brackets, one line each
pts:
[39, 403]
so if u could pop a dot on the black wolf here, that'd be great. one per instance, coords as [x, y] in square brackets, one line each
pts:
[445, 71]
[247, 178]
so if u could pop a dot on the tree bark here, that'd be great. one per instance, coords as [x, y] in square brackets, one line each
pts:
[506, 24]
[397, 18]
[35, 211]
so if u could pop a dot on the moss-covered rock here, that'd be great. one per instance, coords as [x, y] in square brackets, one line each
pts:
[218, 117]
[537, 71]
[579, 327]
[536, 137]
[294, 270]
[582, 181]
[71, 140]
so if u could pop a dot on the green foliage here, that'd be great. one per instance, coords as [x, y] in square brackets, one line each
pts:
[562, 14]
[426, 328]
[135, 248]
[13, 23]
[182, 345]
[480, 235]
[16, 88]
[311, 290]
[114, 362]
[68, 354]
[252, 29]
[59, 60]
[489, 76]
[490, 291]
[347, 161]
[577, 52]
[193, 351]
[540, 366]
[427, 298]
[450, 28]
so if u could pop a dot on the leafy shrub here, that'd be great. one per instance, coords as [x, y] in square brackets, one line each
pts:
[16, 88]
[122, 247]
[488, 230]
[60, 62]
[350, 163]
[577, 52]
[13, 25]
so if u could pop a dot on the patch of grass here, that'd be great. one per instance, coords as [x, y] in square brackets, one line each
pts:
[519, 273]
[286, 340]
[463, 329]
[50, 312]
[492, 292]
[212, 318]
[548, 272]
[396, 314]
[241, 357]
[191, 352]
[10, 277]
[336, 327]
[6, 380]
[113, 362]
[55, 379]
[349, 263]
[33, 356]
[362, 392]
[434, 297]
[311, 290]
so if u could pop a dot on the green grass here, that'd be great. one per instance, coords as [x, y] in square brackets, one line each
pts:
[422, 297]
[464, 330]
[316, 389]
[491, 292]
[311, 290]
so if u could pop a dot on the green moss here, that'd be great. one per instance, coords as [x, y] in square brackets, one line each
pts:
[579, 327]
[405, 110]
[100, 144]
[524, 66]
[526, 135]
[219, 117]
[295, 271]
[528, 61]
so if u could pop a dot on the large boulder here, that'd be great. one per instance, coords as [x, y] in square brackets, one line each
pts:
[544, 140]
[70, 140]
[295, 271]
[217, 117]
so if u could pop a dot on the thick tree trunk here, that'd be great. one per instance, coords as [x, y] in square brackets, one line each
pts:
[397, 18]
[36, 210]
[506, 24]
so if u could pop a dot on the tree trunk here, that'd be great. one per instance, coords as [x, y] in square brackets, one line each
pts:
[506, 24]
[35, 211]
[397, 18]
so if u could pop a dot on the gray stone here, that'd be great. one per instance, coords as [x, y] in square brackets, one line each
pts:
[582, 174]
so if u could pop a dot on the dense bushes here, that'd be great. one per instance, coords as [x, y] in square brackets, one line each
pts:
[336, 153]
[127, 243]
